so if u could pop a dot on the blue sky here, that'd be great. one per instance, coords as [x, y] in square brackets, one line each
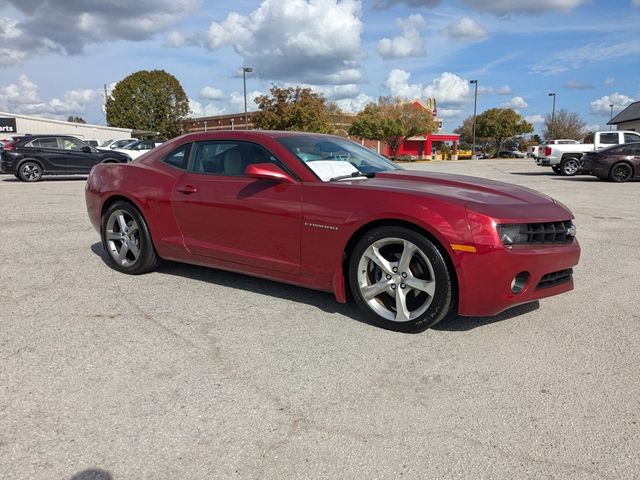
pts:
[56, 56]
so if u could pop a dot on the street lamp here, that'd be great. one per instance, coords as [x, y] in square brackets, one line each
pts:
[553, 115]
[611, 117]
[475, 102]
[245, 70]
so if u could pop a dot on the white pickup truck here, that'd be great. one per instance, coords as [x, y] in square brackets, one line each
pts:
[565, 159]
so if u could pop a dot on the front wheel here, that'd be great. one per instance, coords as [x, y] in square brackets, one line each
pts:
[400, 280]
[621, 172]
[126, 238]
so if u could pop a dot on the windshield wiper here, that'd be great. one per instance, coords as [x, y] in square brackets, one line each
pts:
[352, 175]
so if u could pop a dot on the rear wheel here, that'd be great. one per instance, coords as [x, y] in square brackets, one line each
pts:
[126, 238]
[570, 166]
[621, 172]
[30, 172]
[400, 280]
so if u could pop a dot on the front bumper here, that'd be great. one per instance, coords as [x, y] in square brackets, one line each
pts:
[486, 286]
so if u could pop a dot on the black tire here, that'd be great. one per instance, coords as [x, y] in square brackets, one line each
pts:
[377, 275]
[110, 160]
[621, 172]
[569, 166]
[30, 171]
[126, 238]
[556, 170]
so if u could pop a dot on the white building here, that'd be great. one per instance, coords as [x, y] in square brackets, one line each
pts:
[13, 124]
[628, 119]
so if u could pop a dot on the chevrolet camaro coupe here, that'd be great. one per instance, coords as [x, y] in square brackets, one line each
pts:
[326, 213]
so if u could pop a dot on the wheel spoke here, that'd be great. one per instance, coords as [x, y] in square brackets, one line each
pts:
[373, 254]
[369, 292]
[427, 286]
[132, 228]
[113, 236]
[122, 223]
[407, 254]
[122, 254]
[135, 251]
[402, 311]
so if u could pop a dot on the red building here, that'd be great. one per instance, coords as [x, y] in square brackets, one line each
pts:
[433, 146]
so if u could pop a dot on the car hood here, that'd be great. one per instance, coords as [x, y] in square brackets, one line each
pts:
[489, 197]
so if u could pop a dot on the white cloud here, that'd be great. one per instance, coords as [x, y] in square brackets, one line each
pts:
[67, 27]
[177, 40]
[575, 85]
[504, 90]
[576, 58]
[516, 103]
[354, 104]
[507, 7]
[315, 42]
[594, 127]
[449, 112]
[466, 29]
[197, 109]
[408, 44]
[382, 4]
[448, 89]
[601, 106]
[635, 3]
[535, 119]
[610, 80]
[211, 93]
[23, 97]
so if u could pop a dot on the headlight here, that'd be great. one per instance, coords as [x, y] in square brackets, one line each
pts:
[511, 233]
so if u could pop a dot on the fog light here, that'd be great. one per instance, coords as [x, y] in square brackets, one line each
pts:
[519, 282]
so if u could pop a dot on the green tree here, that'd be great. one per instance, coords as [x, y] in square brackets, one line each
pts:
[391, 120]
[75, 119]
[500, 124]
[291, 108]
[466, 136]
[148, 100]
[565, 125]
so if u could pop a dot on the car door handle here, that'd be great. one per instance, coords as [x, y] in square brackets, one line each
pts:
[187, 189]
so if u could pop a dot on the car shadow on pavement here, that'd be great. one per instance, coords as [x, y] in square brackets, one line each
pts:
[92, 474]
[56, 178]
[458, 323]
[535, 174]
[322, 300]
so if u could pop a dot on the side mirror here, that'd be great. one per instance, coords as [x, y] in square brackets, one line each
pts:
[86, 149]
[267, 171]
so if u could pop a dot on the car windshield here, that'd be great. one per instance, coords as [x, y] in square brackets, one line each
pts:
[335, 158]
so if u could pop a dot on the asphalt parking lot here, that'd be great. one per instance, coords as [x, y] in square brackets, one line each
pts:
[192, 373]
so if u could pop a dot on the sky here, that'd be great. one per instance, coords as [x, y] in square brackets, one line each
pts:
[58, 56]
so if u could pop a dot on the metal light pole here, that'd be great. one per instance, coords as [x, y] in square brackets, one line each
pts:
[245, 70]
[475, 103]
[611, 117]
[553, 115]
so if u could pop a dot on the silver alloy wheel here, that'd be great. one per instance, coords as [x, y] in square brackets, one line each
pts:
[396, 279]
[123, 238]
[31, 171]
[571, 166]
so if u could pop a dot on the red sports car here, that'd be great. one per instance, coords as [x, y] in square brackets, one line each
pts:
[326, 213]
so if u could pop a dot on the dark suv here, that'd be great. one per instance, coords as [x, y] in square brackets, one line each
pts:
[32, 156]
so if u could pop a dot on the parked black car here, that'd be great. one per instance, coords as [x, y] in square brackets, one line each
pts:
[32, 156]
[618, 163]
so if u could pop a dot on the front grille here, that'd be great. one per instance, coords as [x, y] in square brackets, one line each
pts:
[555, 278]
[537, 233]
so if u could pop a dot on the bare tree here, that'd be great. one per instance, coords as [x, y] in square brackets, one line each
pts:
[565, 125]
